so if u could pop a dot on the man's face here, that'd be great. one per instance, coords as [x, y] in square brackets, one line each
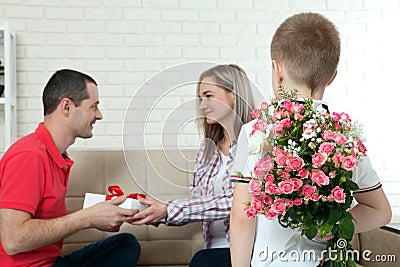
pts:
[86, 114]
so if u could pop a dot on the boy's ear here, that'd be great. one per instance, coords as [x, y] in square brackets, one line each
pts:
[333, 78]
[277, 71]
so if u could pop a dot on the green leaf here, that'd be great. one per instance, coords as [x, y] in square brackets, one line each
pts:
[321, 217]
[334, 215]
[311, 232]
[308, 216]
[335, 229]
[325, 229]
[292, 213]
[347, 203]
[346, 226]
[351, 263]
[352, 185]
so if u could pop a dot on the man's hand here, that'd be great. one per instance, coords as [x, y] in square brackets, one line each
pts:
[107, 216]
[156, 211]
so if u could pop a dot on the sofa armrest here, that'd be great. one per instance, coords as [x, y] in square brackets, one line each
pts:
[380, 247]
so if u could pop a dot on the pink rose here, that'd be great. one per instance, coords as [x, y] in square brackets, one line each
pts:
[298, 201]
[263, 166]
[257, 205]
[303, 173]
[308, 131]
[258, 171]
[289, 203]
[266, 163]
[330, 199]
[250, 212]
[270, 214]
[336, 116]
[361, 147]
[287, 105]
[269, 178]
[286, 186]
[264, 105]
[297, 184]
[338, 194]
[298, 117]
[259, 197]
[268, 200]
[279, 206]
[281, 160]
[316, 197]
[297, 108]
[260, 125]
[318, 159]
[255, 187]
[340, 139]
[278, 151]
[337, 159]
[308, 191]
[278, 128]
[278, 115]
[332, 174]
[286, 175]
[319, 177]
[349, 163]
[256, 113]
[326, 148]
[345, 117]
[296, 163]
[287, 122]
[272, 189]
[328, 135]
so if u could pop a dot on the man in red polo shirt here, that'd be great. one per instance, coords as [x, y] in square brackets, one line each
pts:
[34, 176]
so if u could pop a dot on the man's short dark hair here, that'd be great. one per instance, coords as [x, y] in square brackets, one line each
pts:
[65, 83]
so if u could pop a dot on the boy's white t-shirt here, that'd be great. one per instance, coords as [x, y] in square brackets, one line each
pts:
[275, 245]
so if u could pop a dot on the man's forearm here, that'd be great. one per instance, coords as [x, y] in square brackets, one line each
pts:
[36, 233]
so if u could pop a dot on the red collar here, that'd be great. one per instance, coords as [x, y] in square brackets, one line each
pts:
[51, 148]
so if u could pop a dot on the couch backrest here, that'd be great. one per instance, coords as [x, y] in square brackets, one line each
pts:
[153, 172]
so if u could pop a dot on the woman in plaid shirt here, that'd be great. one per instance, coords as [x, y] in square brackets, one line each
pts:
[225, 104]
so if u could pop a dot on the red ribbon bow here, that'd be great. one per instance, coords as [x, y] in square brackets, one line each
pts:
[116, 191]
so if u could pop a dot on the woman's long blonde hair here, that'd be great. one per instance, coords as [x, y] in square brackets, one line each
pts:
[234, 79]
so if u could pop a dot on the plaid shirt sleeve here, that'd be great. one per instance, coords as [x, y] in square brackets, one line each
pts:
[203, 205]
[205, 208]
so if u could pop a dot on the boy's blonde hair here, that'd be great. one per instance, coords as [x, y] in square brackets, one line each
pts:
[308, 45]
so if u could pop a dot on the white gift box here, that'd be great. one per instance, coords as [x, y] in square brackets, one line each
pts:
[130, 203]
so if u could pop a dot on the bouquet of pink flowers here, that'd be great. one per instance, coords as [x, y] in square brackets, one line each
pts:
[304, 177]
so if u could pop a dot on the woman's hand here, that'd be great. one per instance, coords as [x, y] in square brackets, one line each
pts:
[156, 212]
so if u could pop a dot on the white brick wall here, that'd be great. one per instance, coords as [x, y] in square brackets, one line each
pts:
[122, 43]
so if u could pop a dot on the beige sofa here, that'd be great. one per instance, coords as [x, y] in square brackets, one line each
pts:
[94, 171]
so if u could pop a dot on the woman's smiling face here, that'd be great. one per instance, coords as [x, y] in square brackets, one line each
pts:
[216, 103]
